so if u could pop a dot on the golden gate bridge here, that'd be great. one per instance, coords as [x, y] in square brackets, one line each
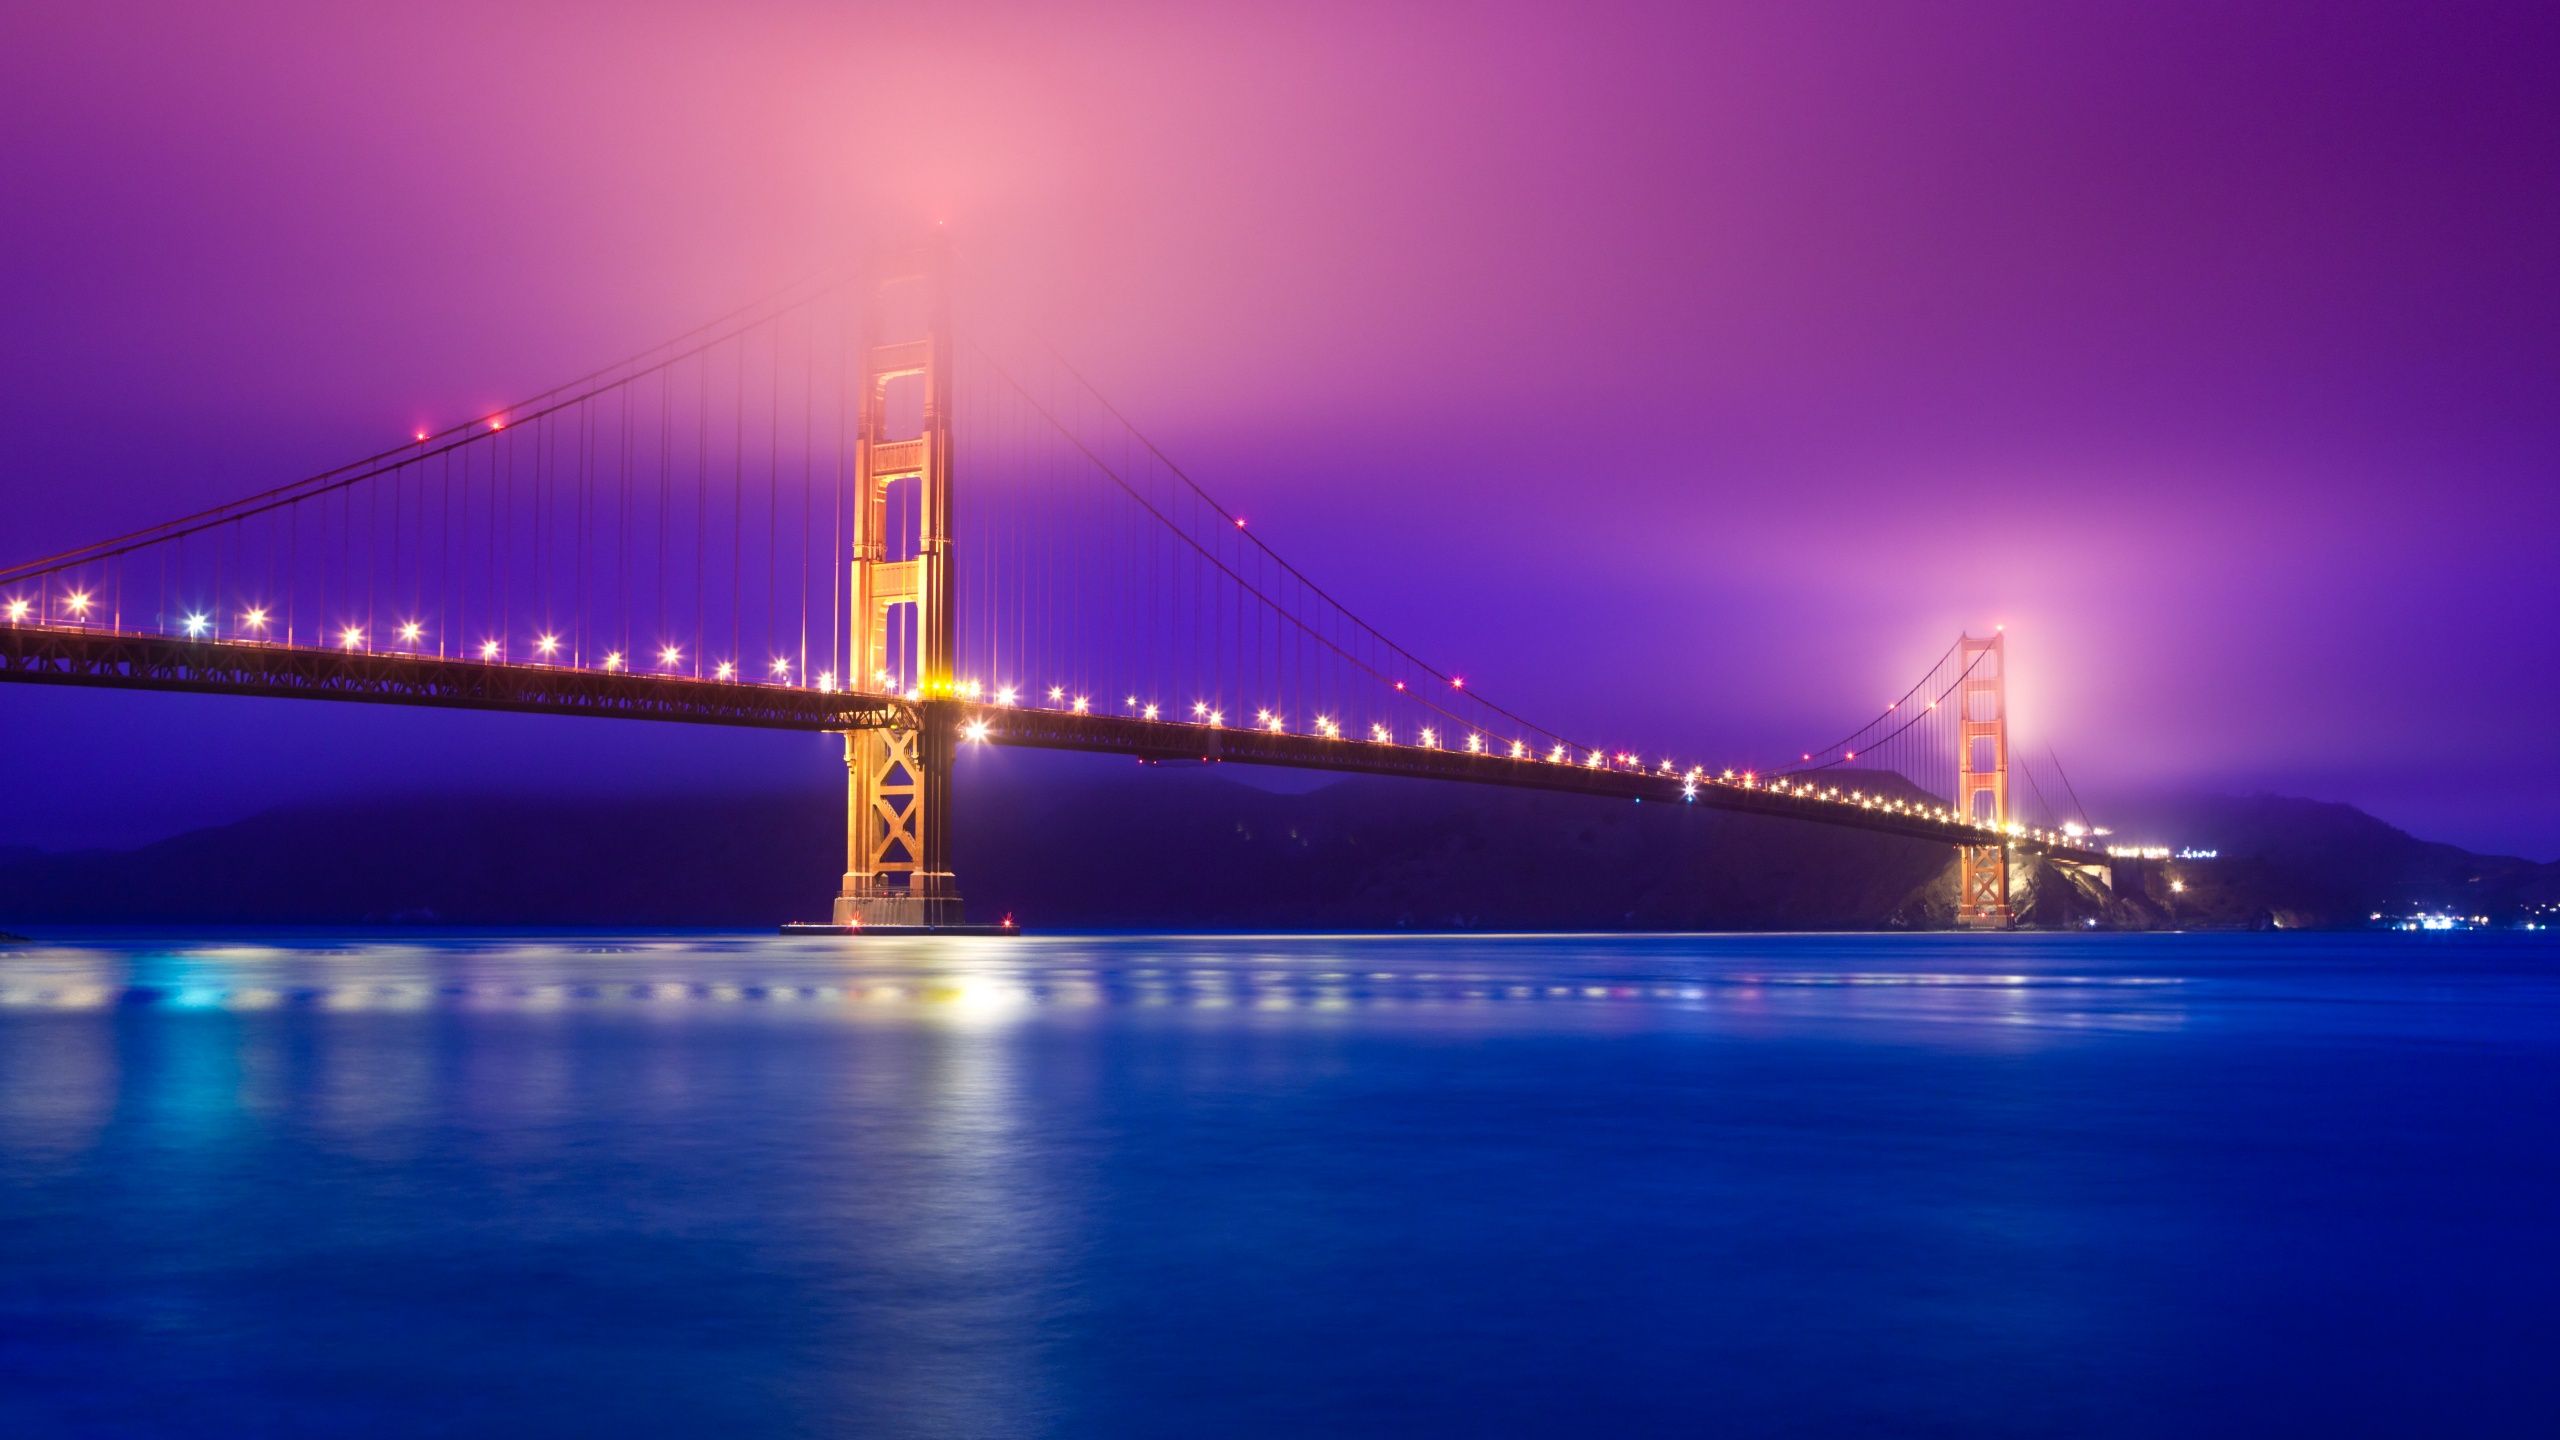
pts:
[756, 524]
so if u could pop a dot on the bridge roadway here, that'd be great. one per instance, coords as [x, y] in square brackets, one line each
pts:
[64, 655]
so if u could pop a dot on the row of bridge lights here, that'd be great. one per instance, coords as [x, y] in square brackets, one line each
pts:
[980, 730]
[1203, 714]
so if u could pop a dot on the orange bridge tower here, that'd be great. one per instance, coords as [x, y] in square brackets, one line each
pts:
[1982, 779]
[898, 795]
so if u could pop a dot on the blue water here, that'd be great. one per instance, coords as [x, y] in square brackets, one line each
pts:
[1219, 1186]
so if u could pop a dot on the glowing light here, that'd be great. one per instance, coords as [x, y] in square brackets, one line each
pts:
[1430, 738]
[1519, 749]
[782, 667]
[826, 681]
[350, 637]
[1597, 760]
[1475, 744]
[724, 671]
[1239, 522]
[1270, 722]
[17, 610]
[1199, 708]
[1381, 734]
[488, 649]
[1556, 756]
[420, 437]
[1852, 754]
[410, 630]
[1399, 684]
[1217, 718]
[547, 643]
[1057, 693]
[1147, 713]
[1688, 789]
[497, 422]
[2177, 887]
[196, 622]
[1457, 682]
[78, 600]
[669, 656]
[969, 688]
[1327, 728]
[1080, 705]
[613, 659]
[975, 732]
[1005, 695]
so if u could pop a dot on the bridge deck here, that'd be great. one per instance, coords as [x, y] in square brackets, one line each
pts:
[65, 656]
[92, 657]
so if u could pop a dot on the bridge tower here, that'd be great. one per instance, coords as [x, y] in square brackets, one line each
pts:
[898, 780]
[1982, 778]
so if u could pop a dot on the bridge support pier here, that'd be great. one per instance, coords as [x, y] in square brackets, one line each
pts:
[1982, 887]
[897, 828]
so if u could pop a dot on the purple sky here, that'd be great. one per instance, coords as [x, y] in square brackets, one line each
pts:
[1690, 372]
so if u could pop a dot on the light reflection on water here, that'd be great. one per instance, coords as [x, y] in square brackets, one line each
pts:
[1270, 1185]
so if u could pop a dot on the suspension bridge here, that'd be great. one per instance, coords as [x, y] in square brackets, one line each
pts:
[760, 523]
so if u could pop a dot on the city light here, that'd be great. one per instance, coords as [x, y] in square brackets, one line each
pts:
[547, 643]
[1519, 749]
[669, 656]
[1081, 705]
[1057, 693]
[826, 681]
[724, 671]
[1556, 756]
[1148, 713]
[78, 600]
[1326, 727]
[410, 630]
[1005, 695]
[1381, 734]
[350, 637]
[488, 649]
[975, 732]
[1475, 744]
[781, 667]
[17, 610]
[613, 659]
[255, 617]
[1430, 738]
[1217, 718]
[196, 623]
[1199, 709]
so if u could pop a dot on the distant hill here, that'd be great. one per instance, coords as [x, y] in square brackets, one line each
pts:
[1190, 846]
[2313, 863]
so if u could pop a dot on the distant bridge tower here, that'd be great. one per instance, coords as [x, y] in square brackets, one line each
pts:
[898, 802]
[1982, 779]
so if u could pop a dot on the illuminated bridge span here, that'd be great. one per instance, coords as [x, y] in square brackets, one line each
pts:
[756, 525]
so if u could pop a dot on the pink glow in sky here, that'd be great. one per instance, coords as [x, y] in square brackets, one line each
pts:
[2213, 348]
